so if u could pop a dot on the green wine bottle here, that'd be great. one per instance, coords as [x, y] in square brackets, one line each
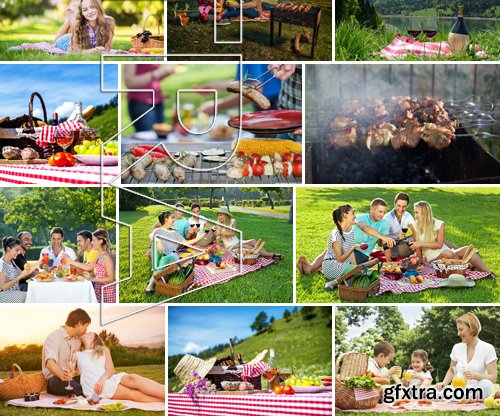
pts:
[458, 37]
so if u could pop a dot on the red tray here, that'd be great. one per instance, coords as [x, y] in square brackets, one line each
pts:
[269, 122]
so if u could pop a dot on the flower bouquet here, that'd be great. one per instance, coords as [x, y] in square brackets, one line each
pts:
[216, 252]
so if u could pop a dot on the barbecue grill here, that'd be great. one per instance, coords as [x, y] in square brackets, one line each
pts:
[463, 161]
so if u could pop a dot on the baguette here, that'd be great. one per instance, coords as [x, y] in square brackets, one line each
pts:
[252, 94]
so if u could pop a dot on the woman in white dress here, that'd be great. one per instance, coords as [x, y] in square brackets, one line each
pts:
[477, 359]
[97, 376]
[430, 238]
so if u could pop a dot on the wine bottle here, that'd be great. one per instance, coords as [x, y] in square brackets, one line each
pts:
[458, 37]
[55, 119]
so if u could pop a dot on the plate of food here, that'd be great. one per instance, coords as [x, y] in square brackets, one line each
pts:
[312, 389]
[268, 122]
[73, 278]
[44, 277]
[95, 160]
[112, 407]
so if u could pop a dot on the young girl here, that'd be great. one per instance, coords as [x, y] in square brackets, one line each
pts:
[430, 238]
[338, 258]
[97, 375]
[87, 29]
[421, 370]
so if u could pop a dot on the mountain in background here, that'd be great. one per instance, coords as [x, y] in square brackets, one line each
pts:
[483, 8]
[303, 342]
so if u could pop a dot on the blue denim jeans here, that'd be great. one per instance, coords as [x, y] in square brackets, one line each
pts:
[235, 12]
[136, 109]
[64, 42]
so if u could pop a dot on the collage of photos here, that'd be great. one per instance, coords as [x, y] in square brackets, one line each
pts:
[249, 207]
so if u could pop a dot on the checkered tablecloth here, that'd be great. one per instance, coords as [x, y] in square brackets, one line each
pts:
[431, 281]
[251, 405]
[43, 174]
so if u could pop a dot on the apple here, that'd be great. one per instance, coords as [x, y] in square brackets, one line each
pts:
[363, 246]
[217, 263]
[222, 265]
[420, 279]
[497, 403]
[489, 402]
[497, 395]
[413, 279]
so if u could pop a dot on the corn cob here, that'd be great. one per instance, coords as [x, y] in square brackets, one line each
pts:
[267, 146]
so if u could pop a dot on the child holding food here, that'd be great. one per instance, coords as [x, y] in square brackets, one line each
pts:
[420, 375]
[383, 354]
[87, 29]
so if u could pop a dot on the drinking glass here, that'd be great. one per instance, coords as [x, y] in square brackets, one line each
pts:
[65, 141]
[71, 367]
[285, 374]
[408, 375]
[270, 375]
[430, 28]
[414, 29]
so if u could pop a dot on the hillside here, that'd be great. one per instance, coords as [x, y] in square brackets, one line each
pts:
[483, 8]
[300, 343]
[106, 123]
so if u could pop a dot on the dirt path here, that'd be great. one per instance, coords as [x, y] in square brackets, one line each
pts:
[264, 214]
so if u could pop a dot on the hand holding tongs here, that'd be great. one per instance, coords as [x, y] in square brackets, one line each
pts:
[256, 83]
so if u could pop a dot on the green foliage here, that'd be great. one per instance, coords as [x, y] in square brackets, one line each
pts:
[286, 315]
[308, 313]
[260, 323]
[485, 8]
[362, 11]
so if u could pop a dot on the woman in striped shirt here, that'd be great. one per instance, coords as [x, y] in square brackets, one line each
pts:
[338, 257]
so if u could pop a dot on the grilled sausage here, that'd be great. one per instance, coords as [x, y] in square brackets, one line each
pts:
[252, 94]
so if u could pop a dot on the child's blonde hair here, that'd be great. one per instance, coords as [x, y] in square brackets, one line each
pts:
[422, 354]
[80, 34]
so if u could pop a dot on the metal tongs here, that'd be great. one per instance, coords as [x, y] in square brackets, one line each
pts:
[256, 83]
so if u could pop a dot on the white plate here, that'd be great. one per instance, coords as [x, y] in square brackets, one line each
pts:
[95, 160]
[311, 389]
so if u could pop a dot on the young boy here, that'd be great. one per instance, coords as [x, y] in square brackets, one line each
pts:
[383, 354]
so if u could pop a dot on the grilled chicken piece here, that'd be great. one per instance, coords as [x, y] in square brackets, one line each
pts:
[408, 136]
[344, 138]
[379, 134]
[342, 123]
[353, 108]
[437, 136]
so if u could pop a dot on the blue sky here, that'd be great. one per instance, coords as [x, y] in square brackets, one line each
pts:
[192, 329]
[60, 85]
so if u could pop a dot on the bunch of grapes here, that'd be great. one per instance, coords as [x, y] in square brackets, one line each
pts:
[144, 36]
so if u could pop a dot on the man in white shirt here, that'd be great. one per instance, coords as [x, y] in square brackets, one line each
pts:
[399, 220]
[57, 249]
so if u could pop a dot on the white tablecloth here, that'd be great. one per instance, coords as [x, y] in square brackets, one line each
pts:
[60, 291]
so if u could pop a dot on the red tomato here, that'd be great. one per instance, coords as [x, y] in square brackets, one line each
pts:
[287, 157]
[60, 159]
[247, 169]
[258, 170]
[240, 154]
[263, 163]
[297, 157]
[70, 160]
[278, 390]
[288, 390]
[285, 170]
[297, 169]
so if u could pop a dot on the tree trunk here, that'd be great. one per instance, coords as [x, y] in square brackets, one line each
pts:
[270, 199]
[196, 196]
[290, 214]
[226, 198]
[211, 196]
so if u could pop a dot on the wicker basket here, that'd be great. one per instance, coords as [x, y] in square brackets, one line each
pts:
[357, 294]
[22, 384]
[154, 41]
[232, 373]
[444, 271]
[249, 259]
[169, 290]
[351, 364]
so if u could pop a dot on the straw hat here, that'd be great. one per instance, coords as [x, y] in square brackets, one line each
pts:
[456, 280]
[190, 364]
[225, 211]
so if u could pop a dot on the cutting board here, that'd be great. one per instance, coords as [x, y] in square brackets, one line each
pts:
[23, 162]
[242, 392]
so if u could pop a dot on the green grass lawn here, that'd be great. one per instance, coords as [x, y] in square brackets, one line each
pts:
[469, 213]
[154, 372]
[282, 210]
[272, 284]
[197, 38]
[37, 32]
[356, 43]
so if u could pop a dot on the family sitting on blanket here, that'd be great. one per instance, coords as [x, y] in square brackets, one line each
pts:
[174, 231]
[355, 237]
[94, 375]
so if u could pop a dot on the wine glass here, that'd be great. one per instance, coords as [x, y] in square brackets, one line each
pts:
[70, 367]
[430, 28]
[270, 375]
[65, 141]
[414, 28]
[285, 374]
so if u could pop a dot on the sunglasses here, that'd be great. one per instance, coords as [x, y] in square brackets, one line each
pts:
[195, 225]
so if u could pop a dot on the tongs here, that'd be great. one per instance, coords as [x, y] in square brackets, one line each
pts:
[256, 83]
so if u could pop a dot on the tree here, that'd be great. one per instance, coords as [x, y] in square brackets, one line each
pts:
[390, 323]
[308, 312]
[260, 323]
[109, 339]
[271, 319]
[286, 315]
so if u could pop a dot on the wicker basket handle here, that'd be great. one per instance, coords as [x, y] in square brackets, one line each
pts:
[339, 359]
[30, 109]
[16, 367]
[157, 22]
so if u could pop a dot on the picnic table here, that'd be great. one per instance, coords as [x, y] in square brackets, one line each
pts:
[43, 174]
[257, 404]
[60, 291]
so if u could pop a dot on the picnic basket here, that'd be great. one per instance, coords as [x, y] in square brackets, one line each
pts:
[225, 369]
[154, 41]
[351, 364]
[164, 288]
[249, 259]
[357, 294]
[22, 384]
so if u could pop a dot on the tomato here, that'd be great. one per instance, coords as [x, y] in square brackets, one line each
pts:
[287, 157]
[256, 157]
[285, 170]
[258, 170]
[59, 159]
[263, 163]
[247, 170]
[240, 154]
[288, 390]
[70, 160]
[297, 169]
[51, 161]
[297, 157]
[278, 390]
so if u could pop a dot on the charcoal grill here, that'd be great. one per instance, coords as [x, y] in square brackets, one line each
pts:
[464, 161]
[216, 176]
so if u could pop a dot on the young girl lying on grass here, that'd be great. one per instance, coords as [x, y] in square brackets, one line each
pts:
[87, 29]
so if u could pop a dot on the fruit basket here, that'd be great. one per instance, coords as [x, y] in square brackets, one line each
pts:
[248, 258]
[146, 39]
[349, 291]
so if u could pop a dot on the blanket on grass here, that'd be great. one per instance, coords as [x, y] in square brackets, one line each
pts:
[403, 46]
[431, 281]
[47, 47]
[265, 16]
[413, 407]
[47, 401]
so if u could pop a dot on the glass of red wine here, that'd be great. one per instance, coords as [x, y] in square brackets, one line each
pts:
[414, 29]
[430, 29]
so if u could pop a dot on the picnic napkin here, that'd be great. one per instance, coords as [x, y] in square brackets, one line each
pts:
[402, 46]
[39, 46]
[48, 133]
[363, 394]
[254, 370]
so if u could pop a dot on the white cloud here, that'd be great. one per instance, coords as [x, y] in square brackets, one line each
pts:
[65, 109]
[37, 113]
[193, 347]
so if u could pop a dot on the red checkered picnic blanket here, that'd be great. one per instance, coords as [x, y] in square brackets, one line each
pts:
[254, 370]
[403, 46]
[39, 46]
[203, 277]
[363, 394]
[48, 133]
[431, 281]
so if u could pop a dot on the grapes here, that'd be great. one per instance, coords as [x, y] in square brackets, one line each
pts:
[304, 381]
[112, 407]
[89, 147]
